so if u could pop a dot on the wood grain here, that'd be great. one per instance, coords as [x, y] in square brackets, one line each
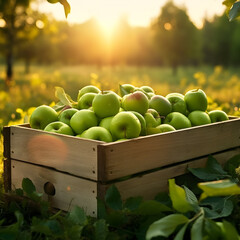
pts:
[149, 185]
[145, 153]
[69, 190]
[65, 153]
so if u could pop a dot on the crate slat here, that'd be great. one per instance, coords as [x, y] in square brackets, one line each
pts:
[150, 184]
[145, 153]
[65, 153]
[69, 190]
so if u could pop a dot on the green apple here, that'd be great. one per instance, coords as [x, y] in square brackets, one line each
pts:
[125, 89]
[59, 127]
[142, 121]
[66, 115]
[87, 89]
[152, 118]
[175, 94]
[136, 101]
[218, 116]
[85, 101]
[161, 129]
[106, 122]
[148, 95]
[97, 133]
[147, 89]
[161, 105]
[199, 118]
[178, 104]
[106, 104]
[125, 125]
[42, 116]
[82, 120]
[177, 120]
[196, 99]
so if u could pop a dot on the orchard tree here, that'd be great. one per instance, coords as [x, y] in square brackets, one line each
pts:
[15, 14]
[176, 37]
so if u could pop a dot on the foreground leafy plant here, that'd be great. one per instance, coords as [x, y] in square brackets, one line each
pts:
[179, 214]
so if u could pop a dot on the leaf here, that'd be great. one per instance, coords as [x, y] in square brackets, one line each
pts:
[133, 203]
[229, 3]
[28, 186]
[217, 207]
[219, 188]
[232, 164]
[180, 234]
[101, 229]
[165, 226]
[58, 106]
[212, 171]
[178, 197]
[191, 198]
[63, 97]
[66, 5]
[123, 91]
[234, 11]
[230, 232]
[53, 1]
[211, 229]
[113, 198]
[151, 207]
[197, 229]
[77, 216]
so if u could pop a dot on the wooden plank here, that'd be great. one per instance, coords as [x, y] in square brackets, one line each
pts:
[149, 185]
[65, 153]
[69, 190]
[6, 160]
[144, 153]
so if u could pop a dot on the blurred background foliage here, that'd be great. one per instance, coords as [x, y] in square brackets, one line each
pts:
[38, 53]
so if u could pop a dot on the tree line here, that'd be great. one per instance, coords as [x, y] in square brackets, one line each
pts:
[171, 39]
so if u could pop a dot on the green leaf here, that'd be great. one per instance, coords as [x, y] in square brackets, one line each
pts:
[63, 97]
[28, 186]
[211, 229]
[217, 207]
[180, 234]
[191, 198]
[113, 198]
[229, 3]
[165, 226]
[234, 11]
[19, 192]
[229, 231]
[58, 106]
[197, 229]
[133, 203]
[66, 6]
[219, 188]
[101, 229]
[20, 219]
[152, 207]
[178, 197]
[77, 216]
[212, 171]
[53, 1]
[123, 91]
[232, 164]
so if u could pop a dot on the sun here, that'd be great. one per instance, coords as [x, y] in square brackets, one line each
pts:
[107, 28]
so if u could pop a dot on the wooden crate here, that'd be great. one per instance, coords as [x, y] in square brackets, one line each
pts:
[81, 170]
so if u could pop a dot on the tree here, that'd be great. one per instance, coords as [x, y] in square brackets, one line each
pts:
[176, 37]
[14, 13]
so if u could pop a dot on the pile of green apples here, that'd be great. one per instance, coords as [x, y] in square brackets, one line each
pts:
[132, 112]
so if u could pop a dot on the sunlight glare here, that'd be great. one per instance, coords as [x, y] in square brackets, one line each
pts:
[107, 25]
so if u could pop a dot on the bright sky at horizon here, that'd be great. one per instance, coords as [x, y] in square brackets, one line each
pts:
[138, 13]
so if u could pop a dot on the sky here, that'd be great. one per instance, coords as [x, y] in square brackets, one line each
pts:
[138, 12]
